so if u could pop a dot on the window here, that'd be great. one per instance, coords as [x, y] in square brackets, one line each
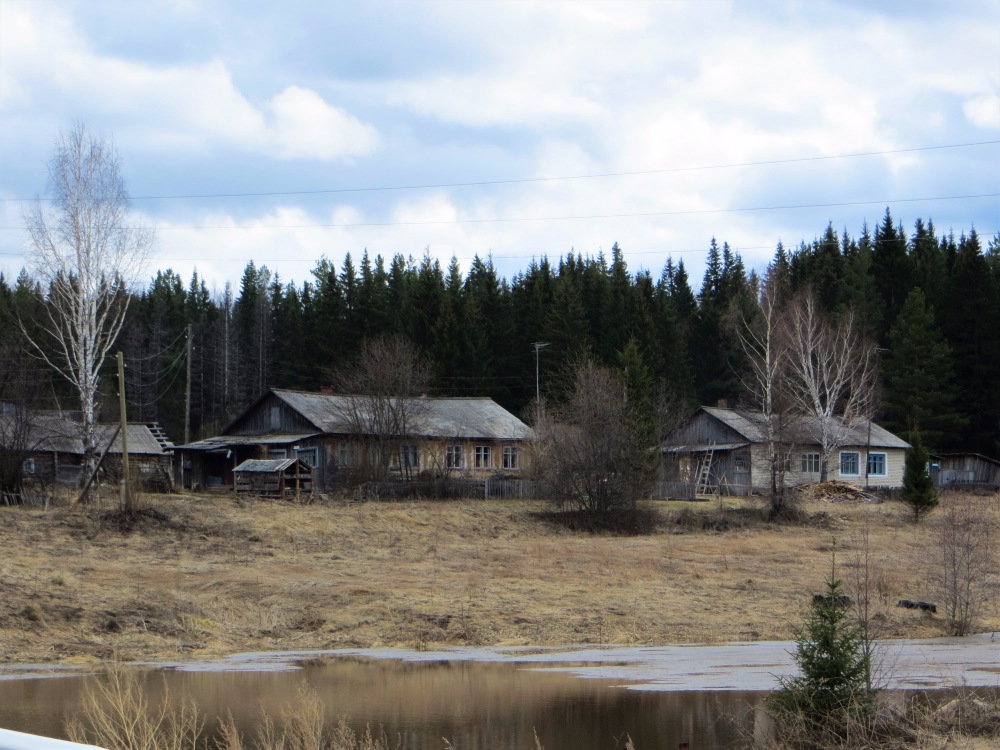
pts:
[510, 457]
[277, 453]
[850, 463]
[28, 467]
[876, 465]
[484, 457]
[454, 457]
[409, 456]
[308, 456]
[741, 463]
[345, 455]
[810, 463]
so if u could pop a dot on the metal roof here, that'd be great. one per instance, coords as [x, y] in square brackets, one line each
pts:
[701, 448]
[264, 465]
[463, 418]
[55, 431]
[224, 442]
[803, 429]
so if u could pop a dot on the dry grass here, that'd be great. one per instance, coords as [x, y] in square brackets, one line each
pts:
[213, 574]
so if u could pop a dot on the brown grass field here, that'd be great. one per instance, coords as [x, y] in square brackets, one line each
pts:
[206, 575]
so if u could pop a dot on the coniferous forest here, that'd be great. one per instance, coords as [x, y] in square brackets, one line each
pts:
[930, 302]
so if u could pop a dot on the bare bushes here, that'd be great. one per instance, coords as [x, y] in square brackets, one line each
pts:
[116, 714]
[591, 455]
[303, 726]
[962, 570]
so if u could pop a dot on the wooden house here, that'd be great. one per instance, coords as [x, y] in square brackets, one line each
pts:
[53, 450]
[965, 469]
[456, 437]
[725, 450]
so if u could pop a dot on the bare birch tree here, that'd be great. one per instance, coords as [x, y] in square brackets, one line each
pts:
[760, 333]
[832, 374]
[86, 254]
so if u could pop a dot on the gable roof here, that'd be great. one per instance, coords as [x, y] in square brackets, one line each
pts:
[752, 426]
[461, 418]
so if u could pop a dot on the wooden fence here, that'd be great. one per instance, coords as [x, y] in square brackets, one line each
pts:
[511, 489]
[673, 491]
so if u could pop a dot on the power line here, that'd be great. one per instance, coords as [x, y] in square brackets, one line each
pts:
[577, 217]
[584, 217]
[530, 180]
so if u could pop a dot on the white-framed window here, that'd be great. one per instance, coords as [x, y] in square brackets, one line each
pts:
[409, 456]
[484, 457]
[850, 464]
[810, 463]
[877, 465]
[28, 467]
[454, 457]
[511, 459]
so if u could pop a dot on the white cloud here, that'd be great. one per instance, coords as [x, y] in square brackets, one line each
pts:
[183, 106]
[303, 125]
[983, 111]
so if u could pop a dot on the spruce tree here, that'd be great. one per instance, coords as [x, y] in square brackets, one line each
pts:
[919, 374]
[835, 669]
[918, 486]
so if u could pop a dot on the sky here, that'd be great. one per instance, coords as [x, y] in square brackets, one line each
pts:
[285, 132]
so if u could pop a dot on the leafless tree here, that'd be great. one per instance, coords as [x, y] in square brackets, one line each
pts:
[382, 405]
[86, 254]
[590, 455]
[832, 373]
[963, 568]
[762, 333]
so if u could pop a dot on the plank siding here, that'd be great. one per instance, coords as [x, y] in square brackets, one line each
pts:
[271, 415]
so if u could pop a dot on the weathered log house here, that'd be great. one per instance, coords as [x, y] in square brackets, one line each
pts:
[53, 450]
[470, 438]
[725, 450]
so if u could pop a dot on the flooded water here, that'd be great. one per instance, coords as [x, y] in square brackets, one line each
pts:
[497, 699]
[474, 705]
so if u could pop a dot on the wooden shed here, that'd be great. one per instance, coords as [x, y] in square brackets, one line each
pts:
[965, 469]
[283, 477]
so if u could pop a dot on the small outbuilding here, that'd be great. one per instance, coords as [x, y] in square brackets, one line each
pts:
[283, 477]
[964, 470]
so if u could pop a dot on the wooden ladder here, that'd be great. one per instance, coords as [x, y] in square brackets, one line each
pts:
[704, 486]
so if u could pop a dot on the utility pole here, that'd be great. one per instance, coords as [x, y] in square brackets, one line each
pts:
[126, 503]
[187, 393]
[539, 345]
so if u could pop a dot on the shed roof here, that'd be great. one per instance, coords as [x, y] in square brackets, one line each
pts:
[265, 465]
[752, 426]
[463, 418]
[224, 442]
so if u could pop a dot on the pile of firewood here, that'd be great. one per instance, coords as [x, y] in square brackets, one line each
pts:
[837, 492]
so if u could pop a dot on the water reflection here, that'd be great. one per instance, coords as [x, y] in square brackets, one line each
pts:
[476, 706]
